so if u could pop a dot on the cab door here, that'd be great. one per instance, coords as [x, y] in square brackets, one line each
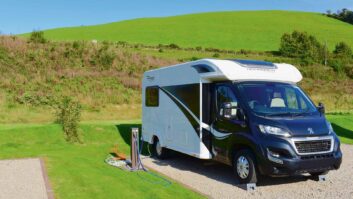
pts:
[224, 129]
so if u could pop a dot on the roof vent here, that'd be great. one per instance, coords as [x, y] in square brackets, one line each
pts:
[255, 63]
[203, 68]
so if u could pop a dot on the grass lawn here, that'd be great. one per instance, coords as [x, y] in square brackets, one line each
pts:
[343, 126]
[79, 171]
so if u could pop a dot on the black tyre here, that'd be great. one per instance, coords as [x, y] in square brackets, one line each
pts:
[244, 167]
[159, 151]
[316, 174]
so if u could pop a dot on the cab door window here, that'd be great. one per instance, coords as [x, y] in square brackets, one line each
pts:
[225, 95]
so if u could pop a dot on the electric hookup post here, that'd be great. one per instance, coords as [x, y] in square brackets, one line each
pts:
[134, 148]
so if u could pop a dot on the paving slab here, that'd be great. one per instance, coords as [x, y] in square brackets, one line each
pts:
[24, 179]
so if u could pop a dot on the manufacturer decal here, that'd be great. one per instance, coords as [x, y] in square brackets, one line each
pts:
[150, 78]
[311, 131]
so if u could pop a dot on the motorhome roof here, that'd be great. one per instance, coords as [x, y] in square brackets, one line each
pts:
[239, 70]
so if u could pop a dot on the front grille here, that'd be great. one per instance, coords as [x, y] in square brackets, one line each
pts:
[318, 156]
[313, 146]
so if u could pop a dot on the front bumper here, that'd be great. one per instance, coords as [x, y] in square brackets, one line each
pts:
[291, 163]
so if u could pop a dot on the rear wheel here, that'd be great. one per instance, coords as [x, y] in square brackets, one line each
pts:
[244, 167]
[159, 151]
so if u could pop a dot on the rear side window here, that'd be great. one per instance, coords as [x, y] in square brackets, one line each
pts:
[152, 96]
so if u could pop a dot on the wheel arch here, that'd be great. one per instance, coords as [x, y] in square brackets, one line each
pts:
[154, 138]
[243, 143]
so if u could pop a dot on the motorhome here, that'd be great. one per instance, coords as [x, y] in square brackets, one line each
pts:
[248, 114]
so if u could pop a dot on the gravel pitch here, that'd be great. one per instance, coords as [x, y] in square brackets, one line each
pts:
[217, 181]
[22, 178]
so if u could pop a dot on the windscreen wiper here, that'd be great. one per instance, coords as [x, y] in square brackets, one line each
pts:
[279, 114]
[301, 113]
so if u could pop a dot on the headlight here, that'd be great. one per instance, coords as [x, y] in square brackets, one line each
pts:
[273, 130]
[329, 126]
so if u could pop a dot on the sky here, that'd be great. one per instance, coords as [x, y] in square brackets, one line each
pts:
[19, 16]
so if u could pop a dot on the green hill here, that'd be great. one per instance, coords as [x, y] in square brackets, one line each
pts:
[251, 30]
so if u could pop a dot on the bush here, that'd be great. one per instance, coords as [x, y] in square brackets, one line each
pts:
[342, 57]
[301, 45]
[216, 55]
[213, 50]
[37, 37]
[106, 59]
[337, 65]
[173, 46]
[349, 71]
[68, 115]
[244, 52]
[343, 51]
[198, 48]
[192, 59]
[36, 99]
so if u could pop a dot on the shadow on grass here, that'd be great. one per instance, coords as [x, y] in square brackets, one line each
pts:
[125, 132]
[343, 132]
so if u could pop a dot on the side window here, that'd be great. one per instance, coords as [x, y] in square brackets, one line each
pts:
[225, 94]
[302, 103]
[152, 96]
[292, 102]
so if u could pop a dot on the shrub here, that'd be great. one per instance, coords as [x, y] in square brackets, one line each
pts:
[37, 37]
[173, 46]
[192, 59]
[343, 51]
[349, 71]
[213, 50]
[106, 59]
[337, 65]
[301, 45]
[216, 55]
[68, 116]
[342, 57]
[198, 48]
[36, 99]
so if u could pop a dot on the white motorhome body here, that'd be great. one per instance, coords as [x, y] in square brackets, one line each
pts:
[176, 99]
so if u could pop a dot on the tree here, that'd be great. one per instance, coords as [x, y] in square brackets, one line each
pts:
[301, 45]
[344, 14]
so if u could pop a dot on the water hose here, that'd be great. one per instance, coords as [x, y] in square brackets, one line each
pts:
[124, 164]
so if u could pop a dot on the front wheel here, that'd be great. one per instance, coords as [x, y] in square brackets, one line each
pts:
[244, 167]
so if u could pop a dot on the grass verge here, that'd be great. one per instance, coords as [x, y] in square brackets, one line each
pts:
[343, 126]
[78, 170]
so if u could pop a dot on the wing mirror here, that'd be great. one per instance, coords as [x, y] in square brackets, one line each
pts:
[230, 110]
[321, 108]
